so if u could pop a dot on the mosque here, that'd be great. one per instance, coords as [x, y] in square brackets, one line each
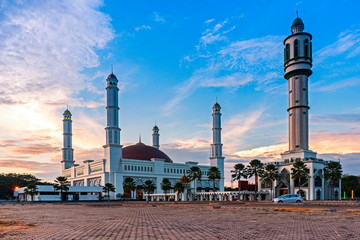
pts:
[140, 162]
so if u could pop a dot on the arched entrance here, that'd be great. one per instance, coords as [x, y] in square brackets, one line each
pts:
[282, 188]
[318, 194]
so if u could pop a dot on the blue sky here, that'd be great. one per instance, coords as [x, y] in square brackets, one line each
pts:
[172, 60]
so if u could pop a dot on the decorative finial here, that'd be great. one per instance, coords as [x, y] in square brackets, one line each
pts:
[139, 138]
[297, 14]
[112, 69]
[155, 122]
[216, 99]
[67, 106]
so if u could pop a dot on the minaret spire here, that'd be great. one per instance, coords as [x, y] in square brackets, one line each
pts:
[67, 150]
[155, 135]
[216, 157]
[297, 67]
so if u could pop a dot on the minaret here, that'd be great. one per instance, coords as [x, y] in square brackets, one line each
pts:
[216, 159]
[297, 67]
[67, 151]
[155, 135]
[112, 148]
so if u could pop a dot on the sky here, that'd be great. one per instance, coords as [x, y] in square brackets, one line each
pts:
[173, 59]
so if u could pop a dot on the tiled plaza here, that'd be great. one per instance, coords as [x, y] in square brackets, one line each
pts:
[176, 221]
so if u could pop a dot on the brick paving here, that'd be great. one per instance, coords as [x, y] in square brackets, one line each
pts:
[141, 221]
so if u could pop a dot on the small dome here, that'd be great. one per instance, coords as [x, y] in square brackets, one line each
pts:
[297, 25]
[216, 105]
[112, 75]
[155, 128]
[67, 112]
[141, 151]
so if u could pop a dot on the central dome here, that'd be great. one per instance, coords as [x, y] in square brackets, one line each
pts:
[143, 152]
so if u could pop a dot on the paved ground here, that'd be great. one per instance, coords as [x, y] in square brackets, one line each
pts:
[176, 221]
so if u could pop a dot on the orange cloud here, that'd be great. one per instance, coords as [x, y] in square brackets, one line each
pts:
[34, 149]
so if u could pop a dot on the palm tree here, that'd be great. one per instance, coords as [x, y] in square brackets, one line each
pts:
[332, 172]
[213, 174]
[194, 174]
[238, 172]
[129, 185]
[31, 189]
[255, 168]
[109, 187]
[271, 174]
[62, 184]
[179, 188]
[148, 187]
[165, 186]
[299, 173]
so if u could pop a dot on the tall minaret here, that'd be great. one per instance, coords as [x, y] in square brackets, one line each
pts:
[112, 148]
[216, 159]
[155, 135]
[67, 151]
[297, 67]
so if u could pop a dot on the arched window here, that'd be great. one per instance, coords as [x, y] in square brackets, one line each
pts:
[142, 169]
[296, 48]
[125, 168]
[151, 169]
[306, 48]
[132, 168]
[287, 52]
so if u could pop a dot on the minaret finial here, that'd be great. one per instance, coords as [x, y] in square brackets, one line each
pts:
[112, 69]
[216, 99]
[140, 138]
[67, 106]
[297, 14]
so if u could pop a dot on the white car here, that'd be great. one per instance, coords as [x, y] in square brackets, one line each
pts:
[288, 198]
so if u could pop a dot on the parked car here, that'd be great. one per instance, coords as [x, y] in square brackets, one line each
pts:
[288, 198]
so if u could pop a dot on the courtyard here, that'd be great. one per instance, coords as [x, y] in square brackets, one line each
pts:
[179, 221]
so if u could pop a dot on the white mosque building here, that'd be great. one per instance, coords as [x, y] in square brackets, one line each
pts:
[140, 162]
[297, 67]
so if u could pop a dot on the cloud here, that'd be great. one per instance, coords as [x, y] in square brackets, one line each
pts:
[27, 166]
[34, 149]
[231, 64]
[332, 87]
[142, 27]
[157, 17]
[331, 119]
[44, 49]
[348, 43]
[209, 21]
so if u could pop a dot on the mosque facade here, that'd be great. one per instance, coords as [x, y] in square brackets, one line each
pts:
[139, 161]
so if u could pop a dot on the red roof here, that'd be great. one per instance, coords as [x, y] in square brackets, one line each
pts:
[143, 152]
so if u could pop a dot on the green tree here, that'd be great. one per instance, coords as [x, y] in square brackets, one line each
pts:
[194, 174]
[109, 187]
[239, 172]
[332, 172]
[9, 181]
[129, 185]
[270, 174]
[300, 174]
[213, 174]
[31, 189]
[350, 183]
[62, 184]
[255, 168]
[165, 186]
[148, 187]
[179, 188]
